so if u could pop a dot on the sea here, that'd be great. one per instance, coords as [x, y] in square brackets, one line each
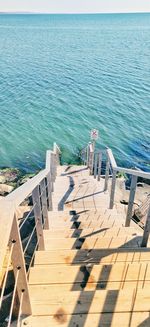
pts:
[63, 75]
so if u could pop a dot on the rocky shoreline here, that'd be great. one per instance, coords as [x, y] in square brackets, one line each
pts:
[11, 178]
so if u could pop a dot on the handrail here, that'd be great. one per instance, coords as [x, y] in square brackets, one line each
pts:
[21, 193]
[128, 171]
[111, 158]
[56, 148]
[111, 163]
[138, 173]
[40, 188]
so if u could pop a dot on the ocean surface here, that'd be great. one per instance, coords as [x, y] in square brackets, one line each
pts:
[63, 75]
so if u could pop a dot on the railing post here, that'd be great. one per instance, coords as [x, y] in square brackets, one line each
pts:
[146, 230]
[99, 165]
[49, 191]
[107, 174]
[131, 200]
[20, 269]
[44, 204]
[88, 156]
[38, 217]
[95, 165]
[52, 170]
[112, 194]
[91, 157]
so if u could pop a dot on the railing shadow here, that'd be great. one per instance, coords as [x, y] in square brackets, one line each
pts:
[74, 171]
[87, 285]
[84, 197]
[66, 195]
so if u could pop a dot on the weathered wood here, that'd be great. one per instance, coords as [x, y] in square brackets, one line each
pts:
[95, 165]
[146, 230]
[99, 165]
[96, 256]
[91, 157]
[49, 190]
[112, 194]
[44, 204]
[111, 158]
[124, 319]
[19, 263]
[6, 221]
[38, 217]
[138, 173]
[107, 174]
[131, 200]
[82, 302]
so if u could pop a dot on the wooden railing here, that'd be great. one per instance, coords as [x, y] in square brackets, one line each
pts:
[94, 163]
[12, 250]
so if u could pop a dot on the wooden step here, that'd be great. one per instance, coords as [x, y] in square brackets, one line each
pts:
[108, 256]
[89, 224]
[87, 274]
[92, 232]
[92, 302]
[132, 319]
[84, 218]
[93, 243]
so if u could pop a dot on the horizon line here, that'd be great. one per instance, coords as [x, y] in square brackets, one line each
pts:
[72, 13]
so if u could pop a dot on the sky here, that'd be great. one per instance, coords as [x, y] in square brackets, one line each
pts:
[75, 6]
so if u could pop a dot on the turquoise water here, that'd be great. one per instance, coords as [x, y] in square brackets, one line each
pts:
[62, 75]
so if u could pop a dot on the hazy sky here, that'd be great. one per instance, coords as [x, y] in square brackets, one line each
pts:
[75, 6]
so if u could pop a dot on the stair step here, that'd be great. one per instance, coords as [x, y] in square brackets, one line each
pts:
[92, 232]
[99, 301]
[93, 243]
[113, 319]
[89, 224]
[119, 272]
[95, 256]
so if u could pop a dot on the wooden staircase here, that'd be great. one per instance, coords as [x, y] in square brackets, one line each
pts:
[93, 271]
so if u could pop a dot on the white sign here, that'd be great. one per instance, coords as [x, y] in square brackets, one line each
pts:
[94, 134]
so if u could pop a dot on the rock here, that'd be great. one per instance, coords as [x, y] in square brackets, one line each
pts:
[140, 184]
[5, 189]
[9, 175]
[26, 178]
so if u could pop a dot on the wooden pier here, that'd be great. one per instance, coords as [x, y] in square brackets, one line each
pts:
[87, 269]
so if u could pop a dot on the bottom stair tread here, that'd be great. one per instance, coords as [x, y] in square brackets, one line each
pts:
[133, 319]
[90, 302]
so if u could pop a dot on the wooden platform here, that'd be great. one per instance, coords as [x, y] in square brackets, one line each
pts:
[93, 271]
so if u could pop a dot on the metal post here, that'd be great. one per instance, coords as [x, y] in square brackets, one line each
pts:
[112, 194]
[131, 200]
[146, 230]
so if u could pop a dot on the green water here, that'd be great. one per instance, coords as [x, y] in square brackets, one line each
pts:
[62, 75]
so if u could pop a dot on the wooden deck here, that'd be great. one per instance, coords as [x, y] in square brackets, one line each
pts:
[93, 271]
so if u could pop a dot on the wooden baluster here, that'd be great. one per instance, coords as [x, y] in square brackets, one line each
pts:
[49, 189]
[146, 230]
[95, 165]
[99, 166]
[38, 217]
[112, 194]
[44, 204]
[131, 200]
[88, 156]
[19, 264]
[107, 174]
[52, 171]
